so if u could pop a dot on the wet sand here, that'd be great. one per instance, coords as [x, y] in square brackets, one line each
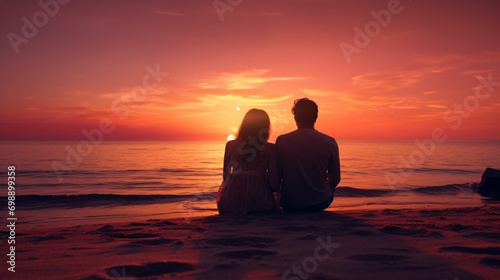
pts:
[455, 243]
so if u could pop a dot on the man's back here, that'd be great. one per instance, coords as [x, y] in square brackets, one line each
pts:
[307, 159]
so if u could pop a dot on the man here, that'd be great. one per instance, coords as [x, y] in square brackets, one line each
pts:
[309, 162]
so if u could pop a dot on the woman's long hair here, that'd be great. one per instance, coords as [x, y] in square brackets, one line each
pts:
[253, 134]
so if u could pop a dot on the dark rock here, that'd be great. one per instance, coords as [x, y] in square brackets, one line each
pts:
[490, 183]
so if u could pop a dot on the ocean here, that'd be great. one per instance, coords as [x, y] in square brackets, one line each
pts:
[140, 180]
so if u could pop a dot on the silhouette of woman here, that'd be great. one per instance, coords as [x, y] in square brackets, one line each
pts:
[250, 172]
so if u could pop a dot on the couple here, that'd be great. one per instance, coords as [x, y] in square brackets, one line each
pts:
[303, 167]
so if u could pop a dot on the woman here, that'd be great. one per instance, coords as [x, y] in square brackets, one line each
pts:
[250, 169]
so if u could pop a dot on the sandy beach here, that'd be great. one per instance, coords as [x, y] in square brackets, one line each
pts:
[454, 243]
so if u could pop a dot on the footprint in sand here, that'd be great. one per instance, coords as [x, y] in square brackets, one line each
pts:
[225, 266]
[397, 230]
[299, 228]
[47, 238]
[106, 228]
[154, 242]
[138, 224]
[491, 262]
[360, 233]
[131, 235]
[471, 250]
[307, 237]
[484, 235]
[377, 258]
[252, 241]
[147, 270]
[245, 254]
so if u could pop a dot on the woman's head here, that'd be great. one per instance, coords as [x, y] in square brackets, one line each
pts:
[255, 125]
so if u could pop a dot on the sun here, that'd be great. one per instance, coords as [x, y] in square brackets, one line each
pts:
[231, 137]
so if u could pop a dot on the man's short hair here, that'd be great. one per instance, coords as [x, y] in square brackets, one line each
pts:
[305, 111]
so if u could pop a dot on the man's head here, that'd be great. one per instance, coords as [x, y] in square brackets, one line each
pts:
[305, 112]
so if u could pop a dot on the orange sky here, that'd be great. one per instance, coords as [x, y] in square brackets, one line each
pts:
[91, 56]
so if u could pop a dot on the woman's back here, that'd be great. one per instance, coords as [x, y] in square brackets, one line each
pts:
[250, 158]
[245, 188]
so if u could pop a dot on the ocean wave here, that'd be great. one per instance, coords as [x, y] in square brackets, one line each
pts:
[128, 172]
[445, 170]
[31, 202]
[452, 189]
[447, 189]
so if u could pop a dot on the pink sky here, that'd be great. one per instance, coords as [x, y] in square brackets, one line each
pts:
[264, 54]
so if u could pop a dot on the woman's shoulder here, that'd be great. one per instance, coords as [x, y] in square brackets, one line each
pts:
[271, 145]
[270, 148]
[230, 143]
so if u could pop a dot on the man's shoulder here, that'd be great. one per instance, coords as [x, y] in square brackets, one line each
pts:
[328, 137]
[285, 136]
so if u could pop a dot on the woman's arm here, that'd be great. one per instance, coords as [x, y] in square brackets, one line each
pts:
[226, 167]
[272, 171]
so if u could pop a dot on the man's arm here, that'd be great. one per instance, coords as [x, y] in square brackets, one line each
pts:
[334, 168]
[272, 174]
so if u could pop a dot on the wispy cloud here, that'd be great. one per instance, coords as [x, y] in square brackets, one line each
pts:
[387, 81]
[212, 100]
[403, 107]
[315, 92]
[244, 80]
[437, 106]
[475, 72]
[409, 74]
[127, 93]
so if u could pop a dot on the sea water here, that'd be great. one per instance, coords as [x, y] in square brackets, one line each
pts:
[61, 183]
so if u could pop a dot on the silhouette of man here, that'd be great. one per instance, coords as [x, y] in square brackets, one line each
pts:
[309, 164]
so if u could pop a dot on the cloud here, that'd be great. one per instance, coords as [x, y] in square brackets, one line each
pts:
[408, 74]
[315, 92]
[126, 93]
[437, 106]
[212, 100]
[387, 81]
[244, 80]
[403, 107]
[76, 112]
[475, 72]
